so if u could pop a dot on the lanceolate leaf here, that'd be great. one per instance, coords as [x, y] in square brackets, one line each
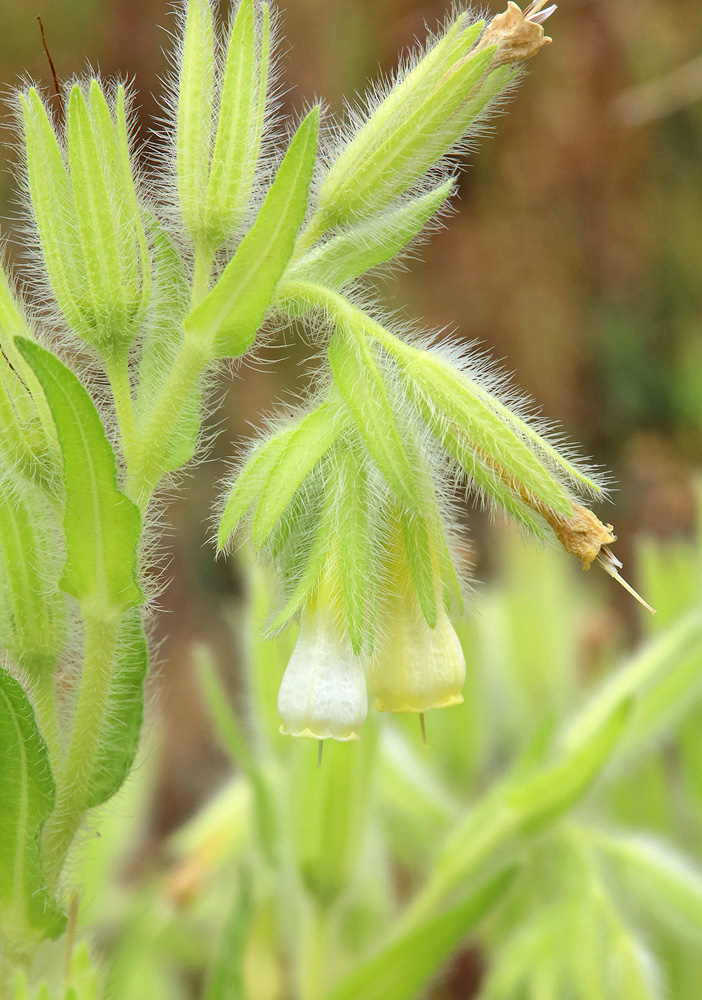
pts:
[421, 563]
[541, 799]
[32, 613]
[119, 739]
[360, 383]
[409, 147]
[354, 528]
[229, 316]
[54, 209]
[458, 402]
[27, 794]
[659, 875]
[477, 473]
[411, 94]
[247, 487]
[101, 525]
[370, 243]
[402, 969]
[310, 557]
[303, 448]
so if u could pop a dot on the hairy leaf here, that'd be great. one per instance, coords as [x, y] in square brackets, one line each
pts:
[370, 243]
[458, 402]
[54, 209]
[403, 152]
[231, 313]
[353, 529]
[101, 525]
[160, 347]
[303, 448]
[124, 712]
[32, 613]
[249, 482]
[421, 563]
[541, 799]
[360, 383]
[27, 794]
[403, 967]
[96, 223]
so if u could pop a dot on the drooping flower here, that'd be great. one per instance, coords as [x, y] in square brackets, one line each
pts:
[417, 667]
[323, 691]
[417, 662]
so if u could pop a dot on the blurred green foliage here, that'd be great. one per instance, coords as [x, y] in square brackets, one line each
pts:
[364, 878]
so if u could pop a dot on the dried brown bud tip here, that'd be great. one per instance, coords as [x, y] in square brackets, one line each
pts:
[518, 35]
[584, 536]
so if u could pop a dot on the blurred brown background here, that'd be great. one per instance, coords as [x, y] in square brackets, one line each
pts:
[576, 257]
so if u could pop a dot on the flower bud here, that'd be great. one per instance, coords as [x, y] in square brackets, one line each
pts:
[89, 217]
[323, 691]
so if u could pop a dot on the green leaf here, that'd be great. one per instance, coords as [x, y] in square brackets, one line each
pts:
[194, 120]
[457, 401]
[354, 540]
[227, 975]
[360, 382]
[402, 969]
[112, 144]
[541, 799]
[311, 552]
[231, 313]
[249, 482]
[421, 563]
[27, 793]
[302, 449]
[666, 676]
[29, 437]
[477, 472]
[240, 124]
[368, 244]
[668, 883]
[124, 713]
[32, 612]
[101, 526]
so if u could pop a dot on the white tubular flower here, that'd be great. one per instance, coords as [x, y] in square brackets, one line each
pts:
[323, 691]
[417, 667]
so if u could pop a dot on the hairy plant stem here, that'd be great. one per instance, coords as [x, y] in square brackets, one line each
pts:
[146, 468]
[45, 710]
[313, 231]
[118, 374]
[102, 623]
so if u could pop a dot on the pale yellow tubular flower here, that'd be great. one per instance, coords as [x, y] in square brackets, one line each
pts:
[323, 692]
[414, 667]
[417, 667]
